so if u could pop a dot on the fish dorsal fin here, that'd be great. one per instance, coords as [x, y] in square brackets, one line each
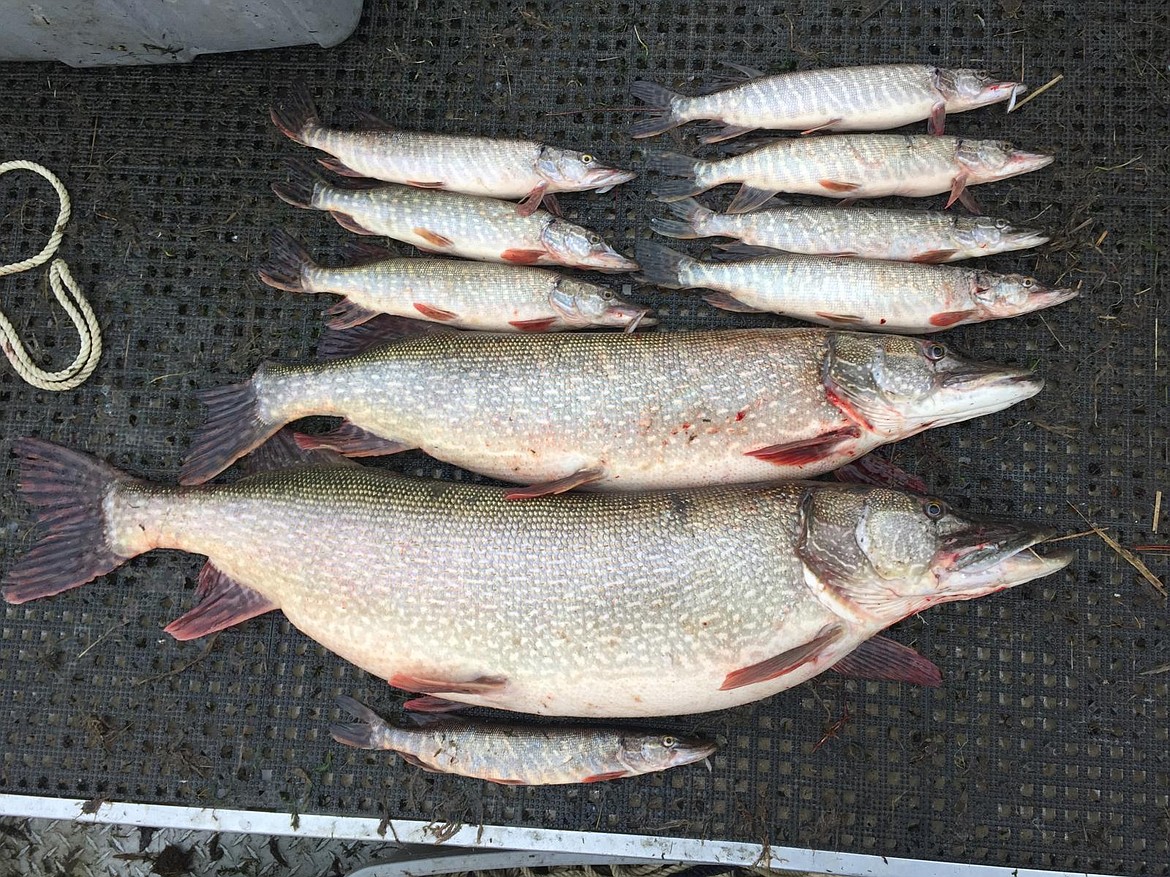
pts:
[225, 603]
[282, 451]
[364, 120]
[382, 329]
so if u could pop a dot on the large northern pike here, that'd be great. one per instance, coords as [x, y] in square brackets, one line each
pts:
[498, 168]
[618, 412]
[857, 293]
[929, 236]
[871, 98]
[850, 166]
[589, 604]
[518, 755]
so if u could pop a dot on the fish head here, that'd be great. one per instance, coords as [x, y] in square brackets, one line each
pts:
[566, 170]
[987, 235]
[587, 304]
[898, 386]
[1009, 295]
[985, 161]
[579, 247]
[647, 753]
[966, 89]
[892, 554]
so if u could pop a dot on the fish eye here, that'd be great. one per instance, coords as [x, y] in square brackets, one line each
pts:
[669, 742]
[607, 296]
[935, 351]
[593, 239]
[1001, 224]
[1027, 283]
[934, 509]
[586, 158]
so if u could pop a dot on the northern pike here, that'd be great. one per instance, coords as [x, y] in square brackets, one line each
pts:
[465, 295]
[853, 293]
[498, 168]
[849, 167]
[589, 604]
[454, 224]
[519, 755]
[930, 236]
[611, 411]
[870, 98]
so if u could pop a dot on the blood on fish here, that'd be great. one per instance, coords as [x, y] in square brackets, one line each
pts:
[740, 415]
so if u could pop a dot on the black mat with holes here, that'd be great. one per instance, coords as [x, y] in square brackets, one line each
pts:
[1048, 744]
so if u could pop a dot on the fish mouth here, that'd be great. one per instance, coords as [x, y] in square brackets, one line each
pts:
[610, 261]
[602, 180]
[991, 555]
[984, 389]
[692, 750]
[630, 317]
[1021, 161]
[1023, 239]
[994, 92]
[1042, 298]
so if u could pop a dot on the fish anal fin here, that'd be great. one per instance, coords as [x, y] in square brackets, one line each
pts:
[749, 198]
[350, 441]
[522, 257]
[950, 318]
[225, 603]
[349, 223]
[934, 257]
[433, 313]
[433, 237]
[785, 662]
[802, 453]
[881, 658]
[727, 132]
[425, 685]
[561, 485]
[839, 185]
[338, 167]
[346, 314]
[417, 762]
[727, 302]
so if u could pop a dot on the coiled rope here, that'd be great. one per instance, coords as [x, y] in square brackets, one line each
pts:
[68, 294]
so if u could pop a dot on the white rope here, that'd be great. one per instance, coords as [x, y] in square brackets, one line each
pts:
[68, 295]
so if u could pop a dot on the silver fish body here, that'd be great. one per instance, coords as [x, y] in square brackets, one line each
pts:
[519, 755]
[930, 236]
[856, 293]
[620, 412]
[590, 604]
[467, 295]
[865, 98]
[455, 224]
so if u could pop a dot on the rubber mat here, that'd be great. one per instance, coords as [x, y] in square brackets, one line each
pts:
[1047, 745]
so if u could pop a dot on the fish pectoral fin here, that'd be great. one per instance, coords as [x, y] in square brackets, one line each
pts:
[822, 127]
[934, 257]
[225, 604]
[808, 450]
[433, 237]
[958, 186]
[551, 204]
[968, 201]
[479, 685]
[950, 318]
[938, 118]
[727, 302]
[434, 313]
[338, 167]
[503, 781]
[785, 662]
[350, 441]
[840, 319]
[428, 703]
[561, 485]
[417, 762]
[727, 132]
[749, 198]
[883, 659]
[523, 257]
[349, 223]
[539, 325]
[839, 185]
[532, 200]
[880, 472]
[608, 775]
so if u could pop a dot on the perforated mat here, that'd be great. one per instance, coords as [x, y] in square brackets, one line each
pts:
[1047, 746]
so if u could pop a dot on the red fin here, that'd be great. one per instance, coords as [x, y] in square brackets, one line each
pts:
[417, 762]
[350, 440]
[880, 472]
[542, 325]
[359, 252]
[346, 314]
[382, 329]
[561, 485]
[825, 126]
[808, 451]
[523, 257]
[503, 782]
[282, 452]
[226, 603]
[934, 257]
[602, 777]
[532, 200]
[349, 223]
[840, 319]
[433, 237]
[335, 165]
[434, 313]
[839, 186]
[958, 185]
[785, 662]
[431, 704]
[482, 685]
[725, 301]
[938, 117]
[421, 185]
[882, 658]
[949, 318]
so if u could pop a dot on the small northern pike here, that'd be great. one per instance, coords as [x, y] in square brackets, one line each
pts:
[519, 755]
[615, 412]
[853, 293]
[873, 98]
[851, 166]
[930, 236]
[454, 224]
[473, 165]
[467, 295]
[589, 604]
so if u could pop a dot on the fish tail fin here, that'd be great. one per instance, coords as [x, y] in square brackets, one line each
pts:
[675, 164]
[692, 216]
[363, 734]
[287, 261]
[296, 115]
[660, 104]
[67, 491]
[301, 187]
[234, 426]
[663, 266]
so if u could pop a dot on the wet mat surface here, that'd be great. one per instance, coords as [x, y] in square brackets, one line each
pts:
[1047, 745]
